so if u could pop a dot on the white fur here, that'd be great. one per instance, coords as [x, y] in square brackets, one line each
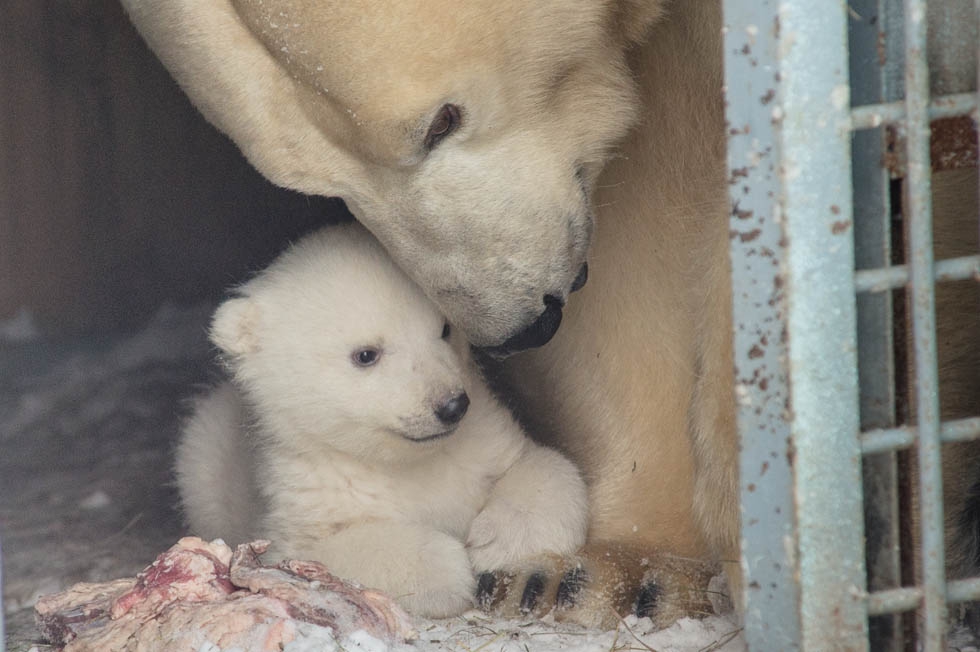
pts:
[332, 449]
[335, 98]
[637, 384]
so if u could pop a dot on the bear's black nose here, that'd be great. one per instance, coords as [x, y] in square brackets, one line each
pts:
[537, 333]
[452, 409]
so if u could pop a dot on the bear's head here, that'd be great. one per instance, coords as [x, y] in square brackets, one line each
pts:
[334, 346]
[468, 136]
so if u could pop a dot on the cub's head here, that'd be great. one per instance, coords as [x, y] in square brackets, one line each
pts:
[466, 135]
[333, 345]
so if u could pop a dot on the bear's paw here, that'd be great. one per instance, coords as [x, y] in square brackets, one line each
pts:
[600, 585]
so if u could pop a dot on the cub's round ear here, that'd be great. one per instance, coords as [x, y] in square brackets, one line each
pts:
[233, 327]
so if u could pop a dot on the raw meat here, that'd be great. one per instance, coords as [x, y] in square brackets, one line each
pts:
[201, 595]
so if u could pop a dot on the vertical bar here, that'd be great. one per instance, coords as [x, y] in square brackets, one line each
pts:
[793, 279]
[771, 586]
[871, 72]
[815, 172]
[922, 300]
[872, 218]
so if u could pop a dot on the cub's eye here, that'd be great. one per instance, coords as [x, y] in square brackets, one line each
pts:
[445, 331]
[365, 357]
[442, 125]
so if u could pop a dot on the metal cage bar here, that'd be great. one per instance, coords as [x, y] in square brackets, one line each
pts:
[793, 270]
[886, 439]
[872, 84]
[874, 115]
[794, 294]
[917, 210]
[889, 278]
[771, 597]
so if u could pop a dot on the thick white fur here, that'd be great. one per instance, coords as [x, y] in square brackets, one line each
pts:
[334, 97]
[325, 458]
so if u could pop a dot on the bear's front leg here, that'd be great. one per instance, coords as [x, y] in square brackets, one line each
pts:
[539, 505]
[426, 571]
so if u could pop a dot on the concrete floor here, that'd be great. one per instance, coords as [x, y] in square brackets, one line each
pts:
[86, 430]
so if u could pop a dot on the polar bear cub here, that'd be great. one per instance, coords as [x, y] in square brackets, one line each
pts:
[356, 430]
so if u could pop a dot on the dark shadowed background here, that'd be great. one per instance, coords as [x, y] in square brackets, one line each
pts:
[115, 194]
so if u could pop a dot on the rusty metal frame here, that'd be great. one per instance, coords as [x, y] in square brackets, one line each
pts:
[812, 315]
[795, 325]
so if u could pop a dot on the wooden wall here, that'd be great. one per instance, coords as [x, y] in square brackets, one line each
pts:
[115, 195]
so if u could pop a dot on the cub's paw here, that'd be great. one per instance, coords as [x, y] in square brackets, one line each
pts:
[599, 585]
[504, 533]
[436, 582]
[539, 506]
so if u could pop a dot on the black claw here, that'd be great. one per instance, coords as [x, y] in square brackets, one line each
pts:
[569, 587]
[532, 591]
[486, 586]
[647, 599]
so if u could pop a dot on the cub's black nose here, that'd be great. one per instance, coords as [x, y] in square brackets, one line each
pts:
[453, 409]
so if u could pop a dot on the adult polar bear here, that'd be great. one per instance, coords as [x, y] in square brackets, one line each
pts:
[469, 136]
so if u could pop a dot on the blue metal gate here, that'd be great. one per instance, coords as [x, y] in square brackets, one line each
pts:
[822, 98]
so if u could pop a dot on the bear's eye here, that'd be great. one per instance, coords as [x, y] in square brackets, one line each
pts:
[445, 331]
[445, 122]
[365, 357]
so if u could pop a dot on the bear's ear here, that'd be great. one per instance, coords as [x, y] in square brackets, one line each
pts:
[233, 327]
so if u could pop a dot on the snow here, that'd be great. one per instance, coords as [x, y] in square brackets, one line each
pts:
[475, 631]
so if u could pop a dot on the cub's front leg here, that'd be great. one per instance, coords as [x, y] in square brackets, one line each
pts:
[539, 505]
[426, 571]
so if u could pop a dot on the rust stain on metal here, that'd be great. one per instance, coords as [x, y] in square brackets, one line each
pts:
[952, 146]
[749, 236]
[953, 143]
[840, 226]
[740, 213]
[768, 97]
[893, 158]
[738, 173]
[756, 352]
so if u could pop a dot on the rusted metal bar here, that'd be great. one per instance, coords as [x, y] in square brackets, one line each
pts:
[894, 601]
[874, 115]
[794, 285]
[918, 214]
[769, 564]
[887, 439]
[889, 278]
[909, 598]
[795, 325]
[963, 590]
[870, 77]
